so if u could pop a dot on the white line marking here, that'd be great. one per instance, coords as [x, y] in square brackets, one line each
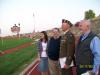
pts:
[32, 69]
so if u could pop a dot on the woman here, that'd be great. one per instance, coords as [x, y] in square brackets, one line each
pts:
[42, 45]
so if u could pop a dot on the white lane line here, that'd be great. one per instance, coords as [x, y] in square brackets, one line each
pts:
[28, 67]
[32, 69]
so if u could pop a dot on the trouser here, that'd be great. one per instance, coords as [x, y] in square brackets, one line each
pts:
[54, 67]
[99, 70]
[66, 71]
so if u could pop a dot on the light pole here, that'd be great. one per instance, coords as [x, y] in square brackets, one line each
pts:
[33, 33]
[1, 37]
[34, 21]
[19, 30]
[1, 41]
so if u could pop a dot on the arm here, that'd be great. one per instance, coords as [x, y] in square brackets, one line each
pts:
[95, 47]
[38, 47]
[47, 47]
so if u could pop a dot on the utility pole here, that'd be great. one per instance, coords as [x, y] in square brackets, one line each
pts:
[34, 21]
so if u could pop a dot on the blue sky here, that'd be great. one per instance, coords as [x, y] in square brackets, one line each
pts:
[47, 13]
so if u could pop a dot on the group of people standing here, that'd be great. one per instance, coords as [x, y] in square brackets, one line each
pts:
[59, 53]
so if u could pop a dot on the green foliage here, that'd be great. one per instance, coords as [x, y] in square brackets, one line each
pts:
[11, 43]
[10, 63]
[89, 14]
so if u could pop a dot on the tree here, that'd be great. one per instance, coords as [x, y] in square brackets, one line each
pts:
[89, 14]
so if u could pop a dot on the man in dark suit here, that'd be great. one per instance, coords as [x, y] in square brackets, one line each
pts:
[67, 48]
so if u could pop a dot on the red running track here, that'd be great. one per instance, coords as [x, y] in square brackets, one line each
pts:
[34, 70]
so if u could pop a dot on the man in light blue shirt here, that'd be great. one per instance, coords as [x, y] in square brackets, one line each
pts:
[87, 49]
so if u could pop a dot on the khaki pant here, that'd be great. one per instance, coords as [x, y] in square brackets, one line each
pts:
[54, 67]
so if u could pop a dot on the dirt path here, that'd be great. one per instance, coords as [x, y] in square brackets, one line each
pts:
[15, 49]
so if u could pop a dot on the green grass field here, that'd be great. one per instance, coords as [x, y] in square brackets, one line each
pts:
[10, 63]
[11, 43]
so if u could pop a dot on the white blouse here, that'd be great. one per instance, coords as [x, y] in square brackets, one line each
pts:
[44, 46]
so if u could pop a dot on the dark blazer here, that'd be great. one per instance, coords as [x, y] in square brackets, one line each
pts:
[67, 47]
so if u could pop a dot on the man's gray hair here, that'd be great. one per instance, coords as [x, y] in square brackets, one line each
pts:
[89, 22]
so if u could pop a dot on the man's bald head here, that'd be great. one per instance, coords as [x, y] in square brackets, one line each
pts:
[85, 22]
[84, 25]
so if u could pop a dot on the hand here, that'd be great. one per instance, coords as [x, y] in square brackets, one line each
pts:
[91, 73]
[39, 59]
[66, 66]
